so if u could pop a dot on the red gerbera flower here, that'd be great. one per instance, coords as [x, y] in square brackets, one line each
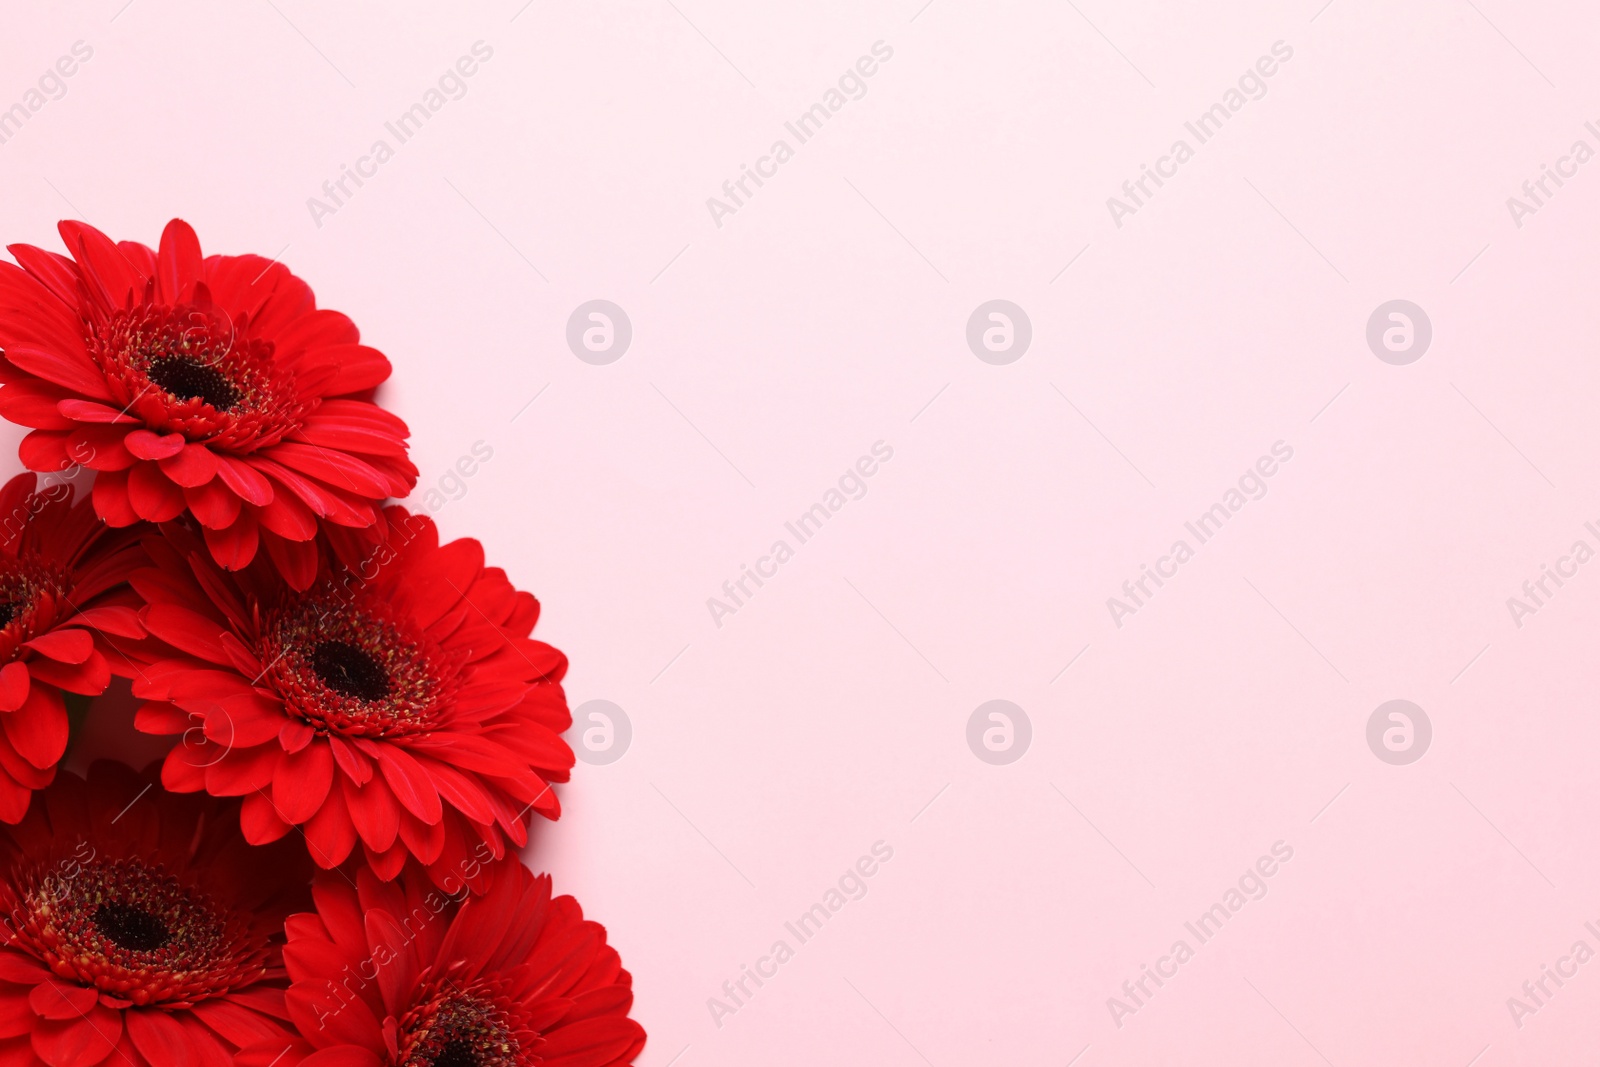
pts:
[138, 922]
[62, 575]
[213, 386]
[399, 975]
[399, 702]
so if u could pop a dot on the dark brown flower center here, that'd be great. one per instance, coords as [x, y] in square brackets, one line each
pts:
[33, 596]
[186, 378]
[355, 669]
[459, 1029]
[136, 932]
[457, 1052]
[131, 927]
[350, 670]
[191, 369]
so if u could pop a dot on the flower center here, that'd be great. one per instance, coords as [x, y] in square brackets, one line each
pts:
[30, 596]
[459, 1029]
[457, 1052]
[190, 369]
[186, 378]
[351, 670]
[135, 932]
[355, 669]
[131, 927]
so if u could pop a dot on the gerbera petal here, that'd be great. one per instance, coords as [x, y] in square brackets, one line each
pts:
[330, 834]
[187, 630]
[374, 813]
[65, 646]
[146, 445]
[260, 820]
[340, 470]
[194, 465]
[302, 781]
[52, 999]
[100, 447]
[111, 498]
[45, 451]
[38, 729]
[178, 261]
[251, 485]
[411, 784]
[35, 404]
[89, 411]
[74, 370]
[235, 546]
[590, 1042]
[214, 504]
[153, 495]
[14, 683]
[106, 270]
[342, 1056]
[82, 1041]
[295, 560]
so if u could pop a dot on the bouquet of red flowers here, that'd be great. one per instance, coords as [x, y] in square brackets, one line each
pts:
[324, 870]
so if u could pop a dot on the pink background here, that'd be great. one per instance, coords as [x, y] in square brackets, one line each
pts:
[829, 313]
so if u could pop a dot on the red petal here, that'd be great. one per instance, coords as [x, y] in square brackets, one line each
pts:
[99, 447]
[410, 783]
[342, 1056]
[148, 445]
[338, 469]
[45, 451]
[288, 517]
[245, 480]
[375, 813]
[74, 370]
[78, 1042]
[295, 560]
[195, 465]
[34, 403]
[38, 729]
[302, 781]
[178, 262]
[111, 501]
[153, 495]
[89, 411]
[330, 834]
[52, 999]
[590, 1042]
[260, 822]
[14, 683]
[64, 646]
[187, 631]
[106, 271]
[214, 504]
[234, 547]
[158, 1036]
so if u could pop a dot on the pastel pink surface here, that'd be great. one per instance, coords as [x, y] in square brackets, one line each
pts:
[773, 745]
